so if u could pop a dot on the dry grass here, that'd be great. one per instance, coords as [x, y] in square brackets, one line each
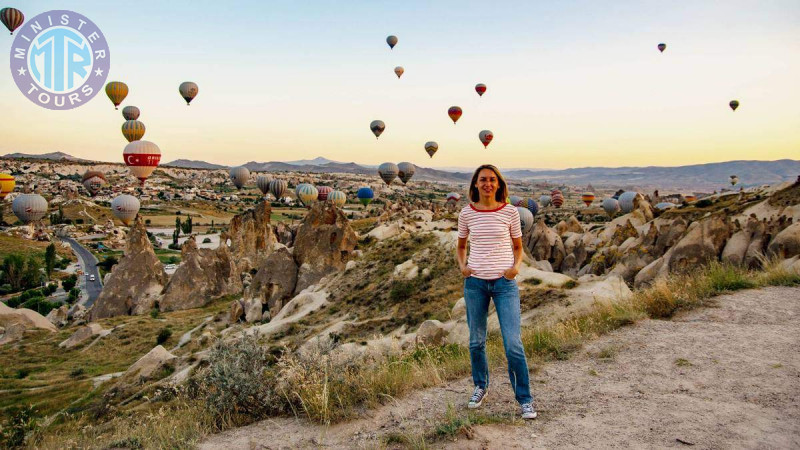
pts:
[327, 390]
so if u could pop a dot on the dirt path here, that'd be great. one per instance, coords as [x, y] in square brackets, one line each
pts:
[720, 377]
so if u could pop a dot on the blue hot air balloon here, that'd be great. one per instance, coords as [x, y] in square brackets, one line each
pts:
[365, 195]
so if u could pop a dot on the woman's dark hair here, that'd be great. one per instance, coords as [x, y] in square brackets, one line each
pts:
[502, 190]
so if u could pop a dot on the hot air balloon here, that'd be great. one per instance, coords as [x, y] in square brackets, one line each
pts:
[142, 158]
[545, 200]
[130, 113]
[392, 41]
[405, 171]
[533, 207]
[239, 176]
[587, 198]
[611, 206]
[188, 91]
[734, 104]
[399, 71]
[7, 184]
[626, 201]
[116, 91]
[323, 192]
[133, 130]
[690, 198]
[453, 197]
[525, 219]
[734, 180]
[486, 137]
[263, 183]
[661, 47]
[557, 200]
[29, 207]
[431, 148]
[365, 195]
[377, 127]
[125, 208]
[277, 188]
[388, 172]
[306, 193]
[338, 198]
[455, 113]
[12, 18]
[93, 180]
[664, 205]
[480, 88]
[515, 200]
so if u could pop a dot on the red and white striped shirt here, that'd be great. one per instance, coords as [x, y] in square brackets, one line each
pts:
[490, 233]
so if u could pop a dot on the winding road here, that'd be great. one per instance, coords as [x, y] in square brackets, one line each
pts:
[89, 266]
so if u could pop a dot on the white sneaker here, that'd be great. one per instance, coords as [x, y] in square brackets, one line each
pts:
[477, 398]
[528, 412]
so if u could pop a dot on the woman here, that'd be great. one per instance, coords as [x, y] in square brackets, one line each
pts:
[493, 229]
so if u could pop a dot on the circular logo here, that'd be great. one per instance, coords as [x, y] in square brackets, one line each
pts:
[60, 59]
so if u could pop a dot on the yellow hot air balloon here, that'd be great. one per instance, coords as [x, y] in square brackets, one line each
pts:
[133, 130]
[116, 91]
[7, 184]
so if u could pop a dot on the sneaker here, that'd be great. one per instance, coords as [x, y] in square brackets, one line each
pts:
[528, 412]
[477, 398]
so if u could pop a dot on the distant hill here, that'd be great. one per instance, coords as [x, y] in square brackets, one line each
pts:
[319, 160]
[698, 176]
[193, 164]
[352, 168]
[56, 156]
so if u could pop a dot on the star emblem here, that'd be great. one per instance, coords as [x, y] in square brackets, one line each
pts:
[98, 72]
[22, 71]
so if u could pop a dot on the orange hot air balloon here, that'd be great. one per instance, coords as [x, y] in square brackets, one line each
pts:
[690, 198]
[399, 71]
[455, 113]
[486, 137]
[480, 88]
[7, 184]
[587, 198]
[116, 92]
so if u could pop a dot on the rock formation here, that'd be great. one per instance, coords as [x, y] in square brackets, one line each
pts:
[136, 282]
[545, 244]
[16, 321]
[323, 244]
[786, 244]
[251, 237]
[275, 281]
[203, 275]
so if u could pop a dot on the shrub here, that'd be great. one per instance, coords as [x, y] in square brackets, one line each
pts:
[401, 290]
[163, 336]
[704, 203]
[77, 372]
[20, 422]
[235, 383]
[207, 240]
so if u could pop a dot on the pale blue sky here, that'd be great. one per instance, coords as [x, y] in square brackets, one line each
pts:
[570, 83]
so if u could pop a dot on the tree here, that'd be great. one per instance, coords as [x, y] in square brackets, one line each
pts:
[74, 294]
[186, 226]
[69, 282]
[50, 259]
[32, 276]
[13, 266]
[178, 225]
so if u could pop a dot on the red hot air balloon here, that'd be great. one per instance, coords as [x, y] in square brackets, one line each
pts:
[480, 88]
[12, 18]
[486, 137]
[322, 192]
[142, 158]
[455, 113]
[587, 198]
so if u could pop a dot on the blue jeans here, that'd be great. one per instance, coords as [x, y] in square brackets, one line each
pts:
[505, 294]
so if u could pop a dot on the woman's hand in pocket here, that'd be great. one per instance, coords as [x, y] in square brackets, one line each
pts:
[511, 273]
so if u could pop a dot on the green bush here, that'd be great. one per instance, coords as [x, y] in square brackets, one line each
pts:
[163, 336]
[40, 305]
[401, 290]
[19, 423]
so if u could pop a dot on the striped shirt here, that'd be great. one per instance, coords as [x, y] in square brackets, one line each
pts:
[490, 233]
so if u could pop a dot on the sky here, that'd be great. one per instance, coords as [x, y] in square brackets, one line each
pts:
[570, 83]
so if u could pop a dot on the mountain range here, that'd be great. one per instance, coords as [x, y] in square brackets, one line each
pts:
[710, 176]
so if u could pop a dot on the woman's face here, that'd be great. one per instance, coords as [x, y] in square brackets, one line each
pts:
[487, 183]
